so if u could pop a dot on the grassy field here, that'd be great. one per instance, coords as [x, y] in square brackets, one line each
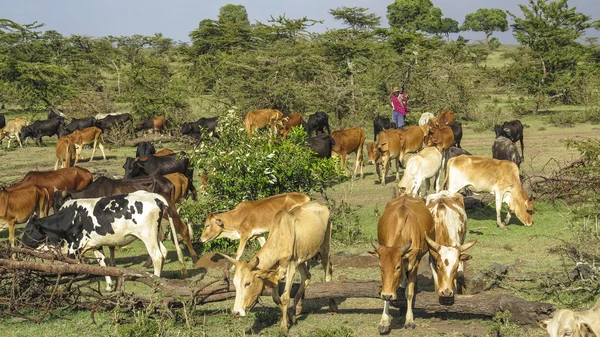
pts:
[526, 250]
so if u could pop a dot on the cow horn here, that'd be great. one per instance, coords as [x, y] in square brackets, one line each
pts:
[407, 247]
[231, 259]
[253, 263]
[467, 245]
[432, 243]
[375, 244]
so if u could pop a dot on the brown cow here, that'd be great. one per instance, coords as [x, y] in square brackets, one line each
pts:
[161, 153]
[441, 137]
[288, 122]
[388, 148]
[446, 248]
[13, 129]
[400, 245]
[87, 136]
[155, 124]
[445, 117]
[17, 206]
[396, 144]
[373, 156]
[181, 185]
[257, 119]
[249, 219]
[349, 141]
[65, 153]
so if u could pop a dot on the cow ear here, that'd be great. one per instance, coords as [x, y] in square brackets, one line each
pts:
[253, 263]
[270, 277]
[219, 222]
[543, 323]
[465, 257]
[373, 253]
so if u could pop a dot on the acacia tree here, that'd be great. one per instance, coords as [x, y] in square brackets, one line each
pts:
[447, 26]
[414, 15]
[487, 20]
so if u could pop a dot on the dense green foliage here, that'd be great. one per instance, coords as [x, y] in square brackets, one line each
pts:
[487, 20]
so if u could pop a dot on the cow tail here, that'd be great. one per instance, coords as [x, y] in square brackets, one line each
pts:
[445, 183]
[183, 269]
[44, 203]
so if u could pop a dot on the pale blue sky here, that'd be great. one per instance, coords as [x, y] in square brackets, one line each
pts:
[176, 18]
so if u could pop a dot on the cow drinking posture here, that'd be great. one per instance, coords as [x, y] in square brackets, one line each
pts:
[88, 224]
[249, 219]
[400, 245]
[297, 236]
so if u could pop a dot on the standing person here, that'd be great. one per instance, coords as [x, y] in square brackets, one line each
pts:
[398, 101]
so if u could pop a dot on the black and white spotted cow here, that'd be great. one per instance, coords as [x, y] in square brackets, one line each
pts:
[88, 224]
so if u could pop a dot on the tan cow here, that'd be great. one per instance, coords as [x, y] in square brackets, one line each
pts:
[446, 248]
[249, 219]
[349, 141]
[257, 119]
[441, 137]
[388, 148]
[445, 117]
[87, 136]
[180, 182]
[287, 122]
[65, 153]
[499, 177]
[425, 117]
[17, 206]
[423, 166]
[374, 157]
[400, 246]
[574, 324]
[12, 129]
[297, 236]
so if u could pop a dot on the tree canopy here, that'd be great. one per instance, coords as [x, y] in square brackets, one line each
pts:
[414, 15]
[487, 20]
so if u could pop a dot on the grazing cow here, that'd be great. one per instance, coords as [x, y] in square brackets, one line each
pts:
[288, 121]
[446, 248]
[379, 124]
[318, 122]
[257, 119]
[161, 165]
[400, 245]
[349, 141]
[372, 153]
[65, 153]
[13, 129]
[180, 183]
[322, 144]
[249, 219]
[88, 224]
[155, 124]
[296, 237]
[78, 124]
[504, 149]
[423, 166]
[500, 177]
[106, 187]
[388, 148]
[441, 137]
[196, 129]
[39, 129]
[72, 178]
[145, 149]
[571, 323]
[111, 121]
[17, 205]
[457, 131]
[512, 130]
[2, 121]
[87, 136]
[425, 117]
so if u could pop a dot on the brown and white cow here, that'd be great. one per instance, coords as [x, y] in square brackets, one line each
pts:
[446, 248]
[13, 129]
[499, 177]
[87, 136]
[249, 219]
[421, 167]
[18, 205]
[296, 237]
[349, 141]
[257, 119]
[574, 323]
[400, 245]
[65, 153]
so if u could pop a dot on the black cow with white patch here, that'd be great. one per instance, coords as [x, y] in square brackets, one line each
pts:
[322, 145]
[145, 149]
[78, 124]
[88, 224]
[112, 121]
[380, 124]
[318, 122]
[198, 128]
[39, 129]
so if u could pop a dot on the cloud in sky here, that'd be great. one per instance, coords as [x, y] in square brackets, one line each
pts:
[176, 18]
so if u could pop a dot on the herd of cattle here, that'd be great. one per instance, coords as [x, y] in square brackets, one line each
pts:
[89, 214]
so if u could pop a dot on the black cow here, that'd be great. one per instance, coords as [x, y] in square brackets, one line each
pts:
[379, 124]
[504, 149]
[111, 121]
[322, 145]
[161, 165]
[195, 129]
[318, 122]
[2, 121]
[457, 131]
[78, 124]
[512, 130]
[39, 129]
[145, 149]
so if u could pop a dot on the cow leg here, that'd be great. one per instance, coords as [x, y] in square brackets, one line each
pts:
[102, 149]
[507, 219]
[416, 192]
[409, 322]
[304, 282]
[18, 141]
[261, 239]
[78, 151]
[111, 249]
[498, 209]
[285, 298]
[385, 162]
[397, 162]
[56, 164]
[240, 249]
[100, 257]
[177, 248]
[522, 149]
[386, 319]
[11, 232]
[157, 252]
[94, 149]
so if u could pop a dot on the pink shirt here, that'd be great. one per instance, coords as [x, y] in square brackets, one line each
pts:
[399, 106]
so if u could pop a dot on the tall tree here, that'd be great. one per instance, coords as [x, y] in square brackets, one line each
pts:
[232, 29]
[414, 15]
[447, 26]
[487, 20]
[356, 18]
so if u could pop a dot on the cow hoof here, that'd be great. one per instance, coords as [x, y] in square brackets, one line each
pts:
[384, 329]
[410, 326]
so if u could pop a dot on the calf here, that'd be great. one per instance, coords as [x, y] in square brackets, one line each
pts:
[297, 236]
[512, 130]
[257, 119]
[423, 166]
[154, 124]
[65, 153]
[504, 149]
[318, 122]
[349, 141]
[400, 246]
[322, 144]
[87, 136]
[39, 129]
[379, 124]
[88, 224]
[111, 121]
[144, 149]
[196, 129]
[13, 129]
[289, 121]
[571, 323]
[17, 205]
[249, 219]
[446, 248]
[78, 124]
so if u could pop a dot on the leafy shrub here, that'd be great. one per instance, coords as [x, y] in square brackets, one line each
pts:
[494, 43]
[502, 326]
[346, 225]
[119, 134]
[562, 118]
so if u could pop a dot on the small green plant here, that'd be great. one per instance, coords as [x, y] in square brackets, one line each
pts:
[346, 226]
[502, 326]
[336, 332]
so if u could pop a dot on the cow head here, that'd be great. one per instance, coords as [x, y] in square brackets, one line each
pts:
[522, 205]
[26, 131]
[133, 168]
[249, 283]
[393, 267]
[34, 234]
[59, 198]
[567, 323]
[445, 262]
[213, 226]
[373, 153]
[498, 130]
